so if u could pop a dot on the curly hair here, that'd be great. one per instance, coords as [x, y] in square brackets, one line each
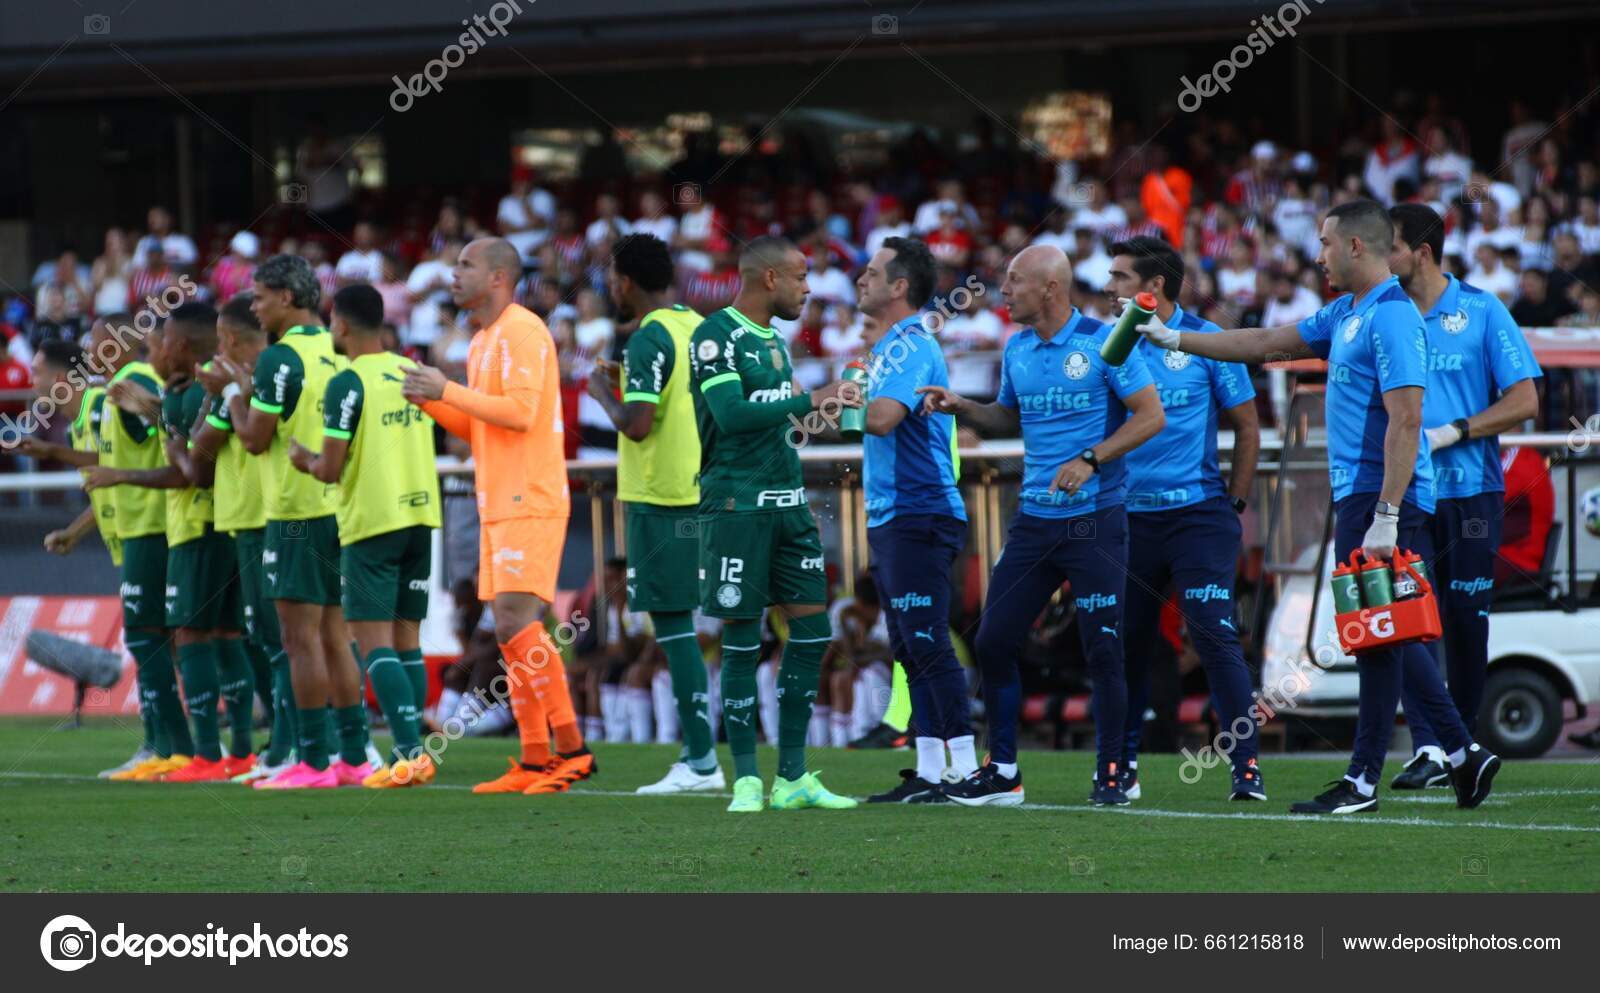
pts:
[292, 273]
[645, 259]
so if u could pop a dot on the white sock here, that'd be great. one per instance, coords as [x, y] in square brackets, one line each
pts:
[930, 759]
[594, 729]
[449, 700]
[493, 720]
[636, 700]
[1457, 757]
[839, 729]
[818, 734]
[963, 755]
[1362, 786]
[666, 708]
[613, 712]
[767, 700]
[1433, 752]
[1006, 769]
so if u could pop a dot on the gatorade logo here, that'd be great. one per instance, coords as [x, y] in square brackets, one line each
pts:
[1381, 624]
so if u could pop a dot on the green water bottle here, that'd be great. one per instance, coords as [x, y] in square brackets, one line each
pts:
[1346, 591]
[1119, 343]
[853, 420]
[1377, 584]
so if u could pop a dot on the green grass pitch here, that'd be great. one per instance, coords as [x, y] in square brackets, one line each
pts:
[65, 831]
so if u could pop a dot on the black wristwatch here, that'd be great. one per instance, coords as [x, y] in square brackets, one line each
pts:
[1460, 424]
[1089, 457]
[1239, 504]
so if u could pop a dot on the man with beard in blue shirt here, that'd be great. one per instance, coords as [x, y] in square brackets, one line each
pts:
[1480, 383]
[1379, 470]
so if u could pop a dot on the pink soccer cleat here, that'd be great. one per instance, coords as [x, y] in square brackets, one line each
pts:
[300, 776]
[350, 775]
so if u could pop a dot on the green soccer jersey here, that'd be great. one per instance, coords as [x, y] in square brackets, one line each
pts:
[290, 380]
[189, 509]
[744, 470]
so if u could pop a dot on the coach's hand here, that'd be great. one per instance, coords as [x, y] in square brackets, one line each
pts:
[98, 477]
[847, 393]
[1154, 329]
[423, 382]
[1381, 537]
[941, 400]
[1072, 474]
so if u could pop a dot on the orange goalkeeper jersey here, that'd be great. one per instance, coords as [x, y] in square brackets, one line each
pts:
[510, 411]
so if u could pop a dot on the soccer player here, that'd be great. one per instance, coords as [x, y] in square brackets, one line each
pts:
[277, 403]
[759, 544]
[1378, 467]
[240, 510]
[131, 441]
[658, 458]
[1183, 522]
[1079, 416]
[1481, 376]
[510, 412]
[378, 448]
[203, 603]
[53, 365]
[916, 520]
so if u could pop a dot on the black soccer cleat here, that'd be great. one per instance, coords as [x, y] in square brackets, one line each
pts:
[1419, 774]
[1341, 797]
[986, 787]
[882, 736]
[1108, 790]
[1248, 784]
[912, 789]
[1472, 779]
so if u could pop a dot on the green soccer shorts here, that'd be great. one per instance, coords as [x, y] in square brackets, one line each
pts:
[301, 560]
[203, 591]
[663, 557]
[385, 577]
[144, 582]
[260, 616]
[752, 560]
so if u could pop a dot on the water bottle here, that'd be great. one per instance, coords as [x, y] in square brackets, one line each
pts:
[1377, 584]
[1405, 585]
[1119, 343]
[853, 420]
[1346, 589]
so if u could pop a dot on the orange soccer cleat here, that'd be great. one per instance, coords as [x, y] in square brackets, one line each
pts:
[564, 770]
[515, 780]
[239, 766]
[201, 770]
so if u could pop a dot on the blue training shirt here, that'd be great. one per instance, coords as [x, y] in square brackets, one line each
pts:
[1372, 347]
[1068, 399]
[912, 469]
[1475, 352]
[1178, 467]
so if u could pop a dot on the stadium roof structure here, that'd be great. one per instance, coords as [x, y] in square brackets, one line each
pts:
[64, 50]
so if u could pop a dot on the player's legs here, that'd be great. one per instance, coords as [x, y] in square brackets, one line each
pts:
[149, 641]
[734, 564]
[1146, 589]
[1465, 587]
[371, 600]
[1093, 553]
[1205, 563]
[301, 624]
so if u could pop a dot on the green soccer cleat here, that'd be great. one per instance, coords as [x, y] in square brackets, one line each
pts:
[807, 791]
[746, 796]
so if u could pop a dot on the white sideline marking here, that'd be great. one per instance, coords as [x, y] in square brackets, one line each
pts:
[1130, 811]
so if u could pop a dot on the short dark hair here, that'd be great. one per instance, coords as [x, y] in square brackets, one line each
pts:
[292, 273]
[645, 259]
[196, 322]
[913, 263]
[1367, 220]
[1416, 224]
[362, 306]
[1153, 257]
[61, 354]
[237, 312]
[765, 252]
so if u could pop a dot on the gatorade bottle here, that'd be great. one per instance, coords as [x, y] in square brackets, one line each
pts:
[1346, 589]
[1124, 336]
[1405, 586]
[853, 421]
[1377, 584]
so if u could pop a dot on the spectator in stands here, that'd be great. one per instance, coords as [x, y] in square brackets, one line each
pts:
[1165, 193]
[1256, 187]
[856, 668]
[429, 289]
[177, 248]
[1489, 228]
[1490, 274]
[950, 243]
[233, 271]
[1394, 157]
[1097, 212]
[654, 217]
[820, 216]
[525, 214]
[109, 275]
[1588, 313]
[930, 214]
[1586, 226]
[1535, 247]
[1535, 308]
[363, 263]
[697, 227]
[391, 286]
[71, 279]
[1289, 303]
[1530, 509]
[829, 284]
[891, 223]
[1090, 262]
[147, 281]
[1446, 165]
[713, 289]
[315, 253]
[323, 169]
[1236, 278]
[608, 224]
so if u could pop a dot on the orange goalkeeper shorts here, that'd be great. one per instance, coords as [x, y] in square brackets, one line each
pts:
[521, 555]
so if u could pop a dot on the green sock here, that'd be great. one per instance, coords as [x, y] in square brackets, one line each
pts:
[352, 733]
[741, 649]
[147, 652]
[397, 698]
[260, 673]
[330, 730]
[285, 715]
[313, 744]
[675, 635]
[417, 673]
[797, 689]
[197, 663]
[898, 716]
[147, 705]
[238, 691]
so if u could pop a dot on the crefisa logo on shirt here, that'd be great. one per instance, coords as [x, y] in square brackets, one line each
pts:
[1076, 365]
[1176, 361]
[1351, 327]
[1454, 323]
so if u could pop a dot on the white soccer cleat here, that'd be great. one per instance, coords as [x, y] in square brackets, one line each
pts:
[262, 770]
[682, 779]
[141, 756]
[374, 757]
